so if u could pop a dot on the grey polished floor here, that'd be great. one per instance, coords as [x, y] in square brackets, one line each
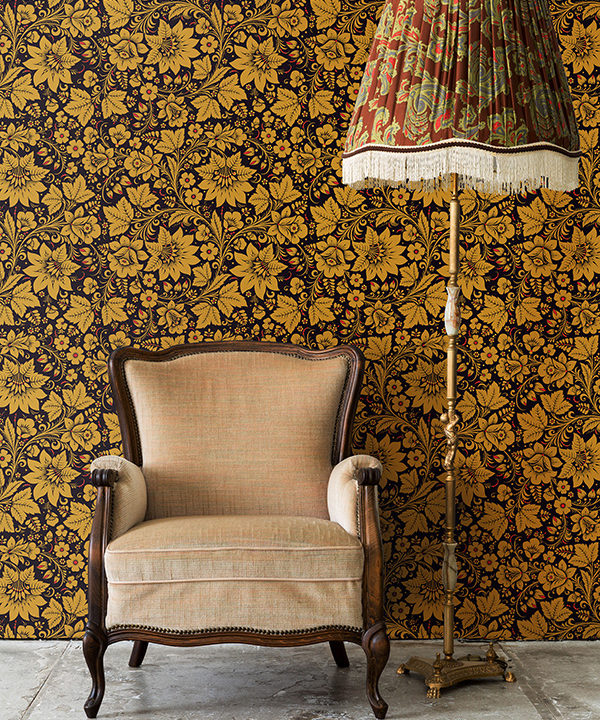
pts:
[49, 681]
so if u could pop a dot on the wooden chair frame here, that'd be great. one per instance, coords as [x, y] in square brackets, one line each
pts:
[373, 637]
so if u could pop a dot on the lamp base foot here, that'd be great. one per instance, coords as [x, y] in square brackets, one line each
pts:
[445, 673]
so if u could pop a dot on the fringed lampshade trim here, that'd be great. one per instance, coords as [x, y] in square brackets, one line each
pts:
[526, 168]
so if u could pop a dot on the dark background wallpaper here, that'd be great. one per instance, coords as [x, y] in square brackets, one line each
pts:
[170, 172]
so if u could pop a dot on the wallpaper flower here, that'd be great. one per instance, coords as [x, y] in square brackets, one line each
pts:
[170, 172]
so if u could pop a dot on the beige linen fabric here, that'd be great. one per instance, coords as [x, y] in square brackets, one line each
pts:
[342, 491]
[129, 493]
[276, 573]
[236, 432]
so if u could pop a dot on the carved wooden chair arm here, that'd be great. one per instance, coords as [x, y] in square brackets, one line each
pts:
[352, 502]
[343, 496]
[104, 477]
[369, 475]
[128, 491]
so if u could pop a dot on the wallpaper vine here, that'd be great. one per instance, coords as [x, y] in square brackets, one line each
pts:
[170, 172]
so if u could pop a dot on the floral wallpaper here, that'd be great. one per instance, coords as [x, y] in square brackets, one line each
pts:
[170, 172]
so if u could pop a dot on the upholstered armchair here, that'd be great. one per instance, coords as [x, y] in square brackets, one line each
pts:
[237, 514]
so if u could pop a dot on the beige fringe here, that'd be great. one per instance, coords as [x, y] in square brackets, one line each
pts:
[482, 170]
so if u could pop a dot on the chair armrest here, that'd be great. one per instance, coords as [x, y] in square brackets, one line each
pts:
[129, 497]
[343, 499]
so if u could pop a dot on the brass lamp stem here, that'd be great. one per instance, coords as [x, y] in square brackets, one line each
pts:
[442, 673]
[450, 421]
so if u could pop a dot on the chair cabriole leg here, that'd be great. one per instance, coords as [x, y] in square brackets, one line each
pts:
[94, 646]
[376, 645]
[138, 653]
[339, 653]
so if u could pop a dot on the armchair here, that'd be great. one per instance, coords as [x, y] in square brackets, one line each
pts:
[237, 514]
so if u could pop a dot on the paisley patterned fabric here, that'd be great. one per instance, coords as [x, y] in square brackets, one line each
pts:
[481, 81]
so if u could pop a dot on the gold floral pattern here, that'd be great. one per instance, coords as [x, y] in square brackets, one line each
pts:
[170, 172]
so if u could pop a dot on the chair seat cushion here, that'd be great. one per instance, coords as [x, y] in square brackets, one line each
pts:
[266, 572]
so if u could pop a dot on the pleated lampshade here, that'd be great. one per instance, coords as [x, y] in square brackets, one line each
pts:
[472, 87]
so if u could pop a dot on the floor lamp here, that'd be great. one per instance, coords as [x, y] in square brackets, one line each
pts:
[462, 93]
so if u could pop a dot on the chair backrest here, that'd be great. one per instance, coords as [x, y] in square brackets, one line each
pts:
[241, 428]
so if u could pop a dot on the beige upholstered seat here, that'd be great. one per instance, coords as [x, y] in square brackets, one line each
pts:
[201, 572]
[237, 514]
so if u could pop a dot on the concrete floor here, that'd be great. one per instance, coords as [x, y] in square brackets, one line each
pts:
[49, 681]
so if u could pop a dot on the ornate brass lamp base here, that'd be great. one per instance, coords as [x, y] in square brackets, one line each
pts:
[445, 673]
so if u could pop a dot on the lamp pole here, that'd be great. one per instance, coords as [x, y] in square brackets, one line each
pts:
[450, 671]
[450, 421]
